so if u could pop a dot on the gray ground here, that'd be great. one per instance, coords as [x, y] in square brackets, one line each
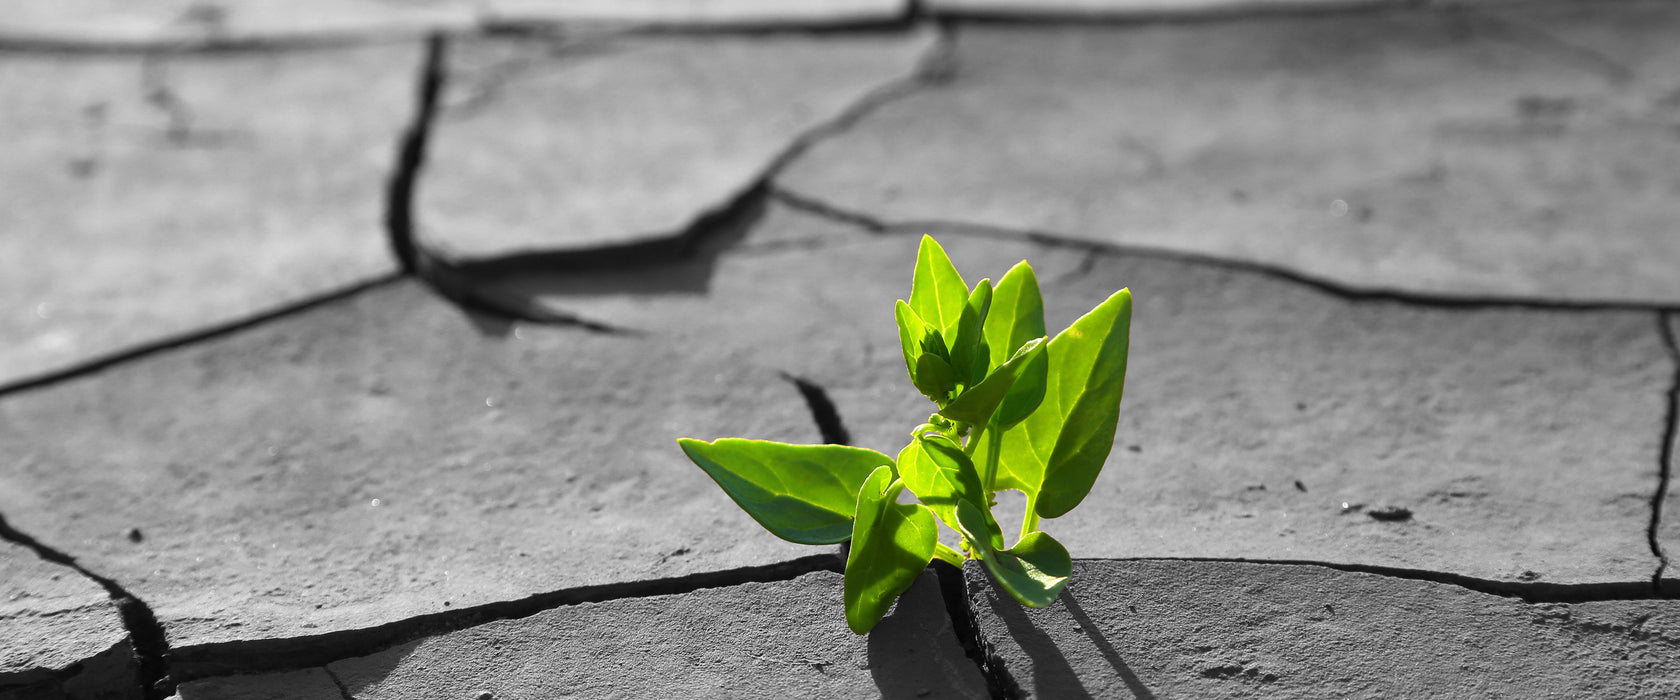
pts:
[344, 351]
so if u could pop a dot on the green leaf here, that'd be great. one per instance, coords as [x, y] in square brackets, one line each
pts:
[969, 353]
[934, 376]
[1034, 571]
[977, 404]
[1088, 377]
[800, 493]
[937, 292]
[911, 330]
[891, 544]
[936, 470]
[1073, 427]
[1017, 313]
[1027, 391]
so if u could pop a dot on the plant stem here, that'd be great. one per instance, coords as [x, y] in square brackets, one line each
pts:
[996, 438]
[973, 438]
[943, 552]
[1030, 523]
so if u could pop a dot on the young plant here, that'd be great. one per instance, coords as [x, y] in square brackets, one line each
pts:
[1015, 411]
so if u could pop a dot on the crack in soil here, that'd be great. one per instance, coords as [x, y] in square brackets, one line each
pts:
[411, 157]
[145, 635]
[965, 625]
[202, 334]
[953, 587]
[1665, 463]
[1033, 16]
[1434, 300]
[294, 653]
[711, 232]
[1526, 591]
[452, 281]
[823, 412]
[343, 689]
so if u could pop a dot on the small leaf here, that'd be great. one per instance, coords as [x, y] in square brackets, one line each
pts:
[937, 292]
[938, 472]
[1034, 571]
[979, 527]
[969, 353]
[934, 376]
[891, 545]
[977, 404]
[1016, 315]
[1088, 375]
[800, 493]
[911, 330]
[1027, 392]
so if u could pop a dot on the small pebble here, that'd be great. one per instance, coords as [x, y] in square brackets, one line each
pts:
[134, 535]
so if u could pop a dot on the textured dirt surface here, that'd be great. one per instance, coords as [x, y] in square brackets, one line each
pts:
[307, 684]
[176, 23]
[385, 458]
[149, 197]
[1128, 9]
[545, 145]
[1525, 443]
[1218, 629]
[1668, 531]
[783, 639]
[1525, 152]
[702, 12]
[57, 628]
[1404, 342]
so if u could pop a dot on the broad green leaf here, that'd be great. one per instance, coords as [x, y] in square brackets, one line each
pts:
[1017, 313]
[800, 493]
[937, 292]
[891, 544]
[969, 353]
[1075, 421]
[977, 404]
[936, 470]
[1088, 376]
[1019, 465]
[1034, 571]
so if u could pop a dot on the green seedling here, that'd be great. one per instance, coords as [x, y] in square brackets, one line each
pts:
[1016, 410]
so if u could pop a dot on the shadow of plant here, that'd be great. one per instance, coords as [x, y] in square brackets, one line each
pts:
[1053, 676]
[913, 652]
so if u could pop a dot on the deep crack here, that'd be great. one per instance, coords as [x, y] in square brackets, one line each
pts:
[454, 282]
[823, 412]
[411, 158]
[721, 227]
[1666, 452]
[816, 207]
[965, 625]
[267, 655]
[151, 646]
